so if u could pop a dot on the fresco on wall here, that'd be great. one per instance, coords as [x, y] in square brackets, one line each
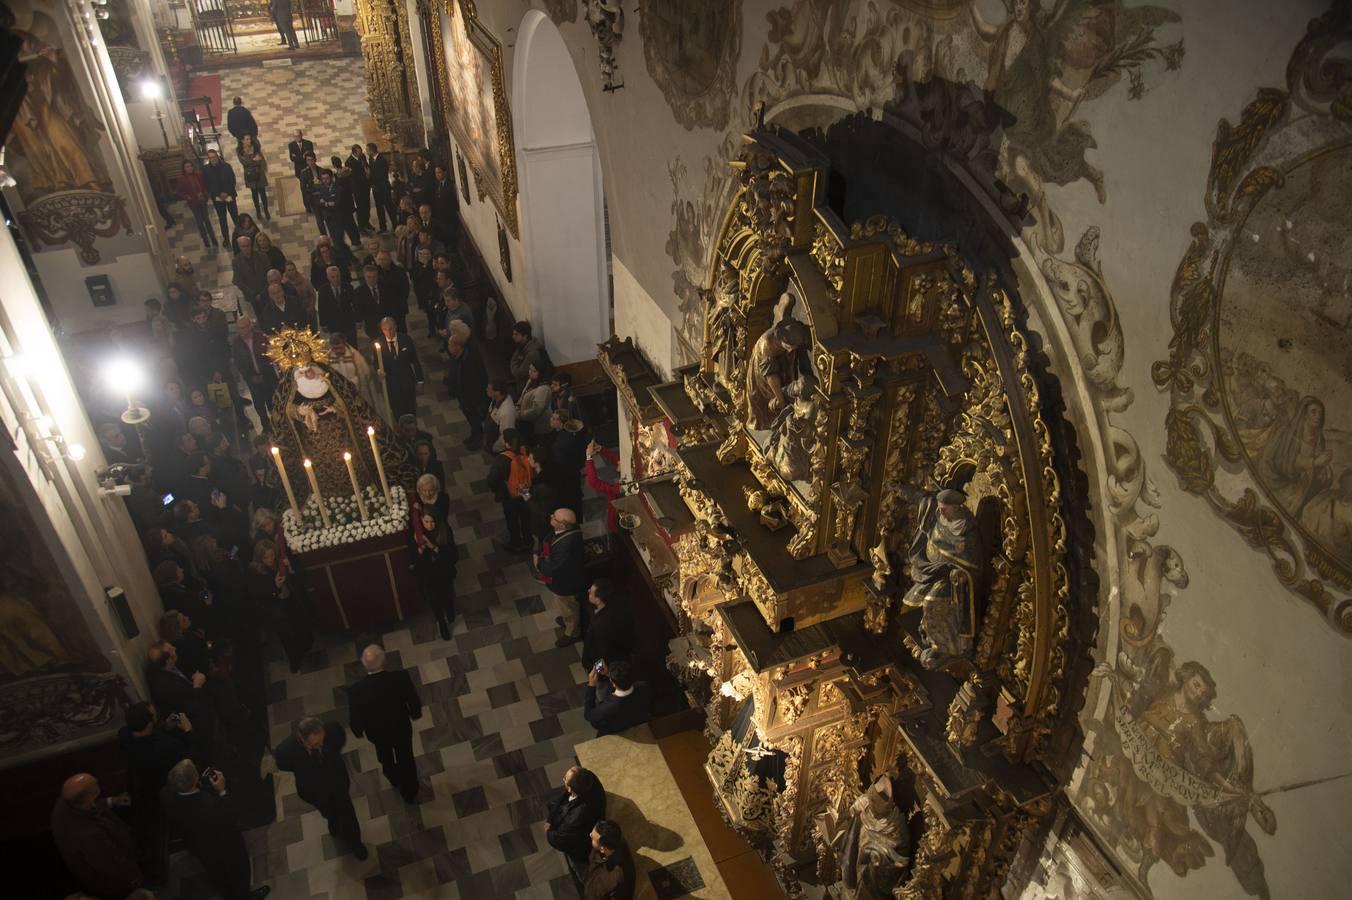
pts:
[999, 90]
[53, 149]
[956, 77]
[55, 685]
[1258, 373]
[469, 67]
[691, 48]
[561, 11]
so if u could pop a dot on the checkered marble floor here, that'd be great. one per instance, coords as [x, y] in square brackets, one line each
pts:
[503, 706]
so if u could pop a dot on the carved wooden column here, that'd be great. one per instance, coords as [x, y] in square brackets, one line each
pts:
[391, 76]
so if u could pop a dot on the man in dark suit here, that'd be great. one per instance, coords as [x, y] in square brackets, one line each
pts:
[627, 704]
[96, 845]
[314, 754]
[282, 15]
[299, 148]
[367, 300]
[361, 187]
[248, 348]
[403, 372]
[219, 179]
[239, 121]
[445, 206]
[336, 305]
[466, 379]
[342, 183]
[206, 821]
[610, 634]
[173, 690]
[379, 173]
[382, 707]
[573, 813]
[559, 564]
[279, 311]
[394, 287]
[309, 176]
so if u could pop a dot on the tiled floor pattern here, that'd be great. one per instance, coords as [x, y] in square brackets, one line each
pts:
[503, 706]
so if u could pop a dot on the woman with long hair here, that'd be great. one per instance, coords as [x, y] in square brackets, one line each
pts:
[309, 298]
[264, 245]
[255, 174]
[192, 190]
[532, 406]
[281, 598]
[245, 226]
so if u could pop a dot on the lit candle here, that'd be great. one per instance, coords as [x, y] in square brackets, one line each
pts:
[314, 489]
[352, 475]
[286, 483]
[380, 360]
[380, 466]
[384, 384]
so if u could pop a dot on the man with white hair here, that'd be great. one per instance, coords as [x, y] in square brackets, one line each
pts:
[382, 708]
[206, 820]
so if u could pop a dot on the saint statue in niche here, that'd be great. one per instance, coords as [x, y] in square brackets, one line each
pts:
[947, 559]
[325, 416]
[873, 849]
[779, 359]
[793, 434]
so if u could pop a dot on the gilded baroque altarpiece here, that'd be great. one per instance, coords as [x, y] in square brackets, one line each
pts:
[875, 587]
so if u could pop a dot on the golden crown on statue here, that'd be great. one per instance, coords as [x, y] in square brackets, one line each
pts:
[293, 348]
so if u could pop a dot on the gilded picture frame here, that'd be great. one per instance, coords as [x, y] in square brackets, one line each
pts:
[474, 102]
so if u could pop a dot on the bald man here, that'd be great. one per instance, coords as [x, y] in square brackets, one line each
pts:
[96, 845]
[559, 564]
[382, 708]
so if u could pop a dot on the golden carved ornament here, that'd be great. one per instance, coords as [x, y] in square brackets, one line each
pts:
[292, 348]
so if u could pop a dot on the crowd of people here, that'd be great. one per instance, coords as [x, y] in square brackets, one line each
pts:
[205, 496]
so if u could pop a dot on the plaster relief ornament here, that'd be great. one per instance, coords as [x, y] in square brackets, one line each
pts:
[606, 20]
[946, 559]
[780, 358]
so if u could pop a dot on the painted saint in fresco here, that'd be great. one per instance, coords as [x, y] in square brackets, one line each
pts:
[1042, 64]
[1296, 460]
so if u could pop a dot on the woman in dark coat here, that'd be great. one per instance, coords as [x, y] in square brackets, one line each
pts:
[434, 559]
[280, 596]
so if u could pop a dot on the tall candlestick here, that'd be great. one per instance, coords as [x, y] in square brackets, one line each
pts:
[314, 489]
[380, 466]
[352, 475]
[384, 383]
[286, 483]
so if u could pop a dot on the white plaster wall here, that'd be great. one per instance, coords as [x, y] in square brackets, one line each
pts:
[96, 544]
[133, 276]
[637, 315]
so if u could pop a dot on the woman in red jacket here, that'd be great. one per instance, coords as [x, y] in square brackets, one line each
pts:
[611, 490]
[193, 191]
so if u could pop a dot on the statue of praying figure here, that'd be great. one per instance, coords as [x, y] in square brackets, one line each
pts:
[779, 358]
[946, 560]
[874, 849]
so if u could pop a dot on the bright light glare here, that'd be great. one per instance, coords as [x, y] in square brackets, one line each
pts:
[44, 423]
[76, 452]
[124, 374]
[151, 89]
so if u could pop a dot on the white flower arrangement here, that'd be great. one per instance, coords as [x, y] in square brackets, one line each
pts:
[345, 524]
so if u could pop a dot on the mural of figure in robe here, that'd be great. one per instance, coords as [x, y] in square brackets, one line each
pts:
[947, 558]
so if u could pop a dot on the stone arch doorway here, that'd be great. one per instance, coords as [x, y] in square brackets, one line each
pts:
[562, 201]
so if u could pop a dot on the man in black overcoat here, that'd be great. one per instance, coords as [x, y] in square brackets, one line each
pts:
[382, 707]
[314, 754]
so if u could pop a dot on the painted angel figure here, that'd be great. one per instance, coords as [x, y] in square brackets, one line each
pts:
[779, 358]
[1174, 759]
[947, 558]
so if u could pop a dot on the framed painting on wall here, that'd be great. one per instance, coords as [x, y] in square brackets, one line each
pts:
[473, 92]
